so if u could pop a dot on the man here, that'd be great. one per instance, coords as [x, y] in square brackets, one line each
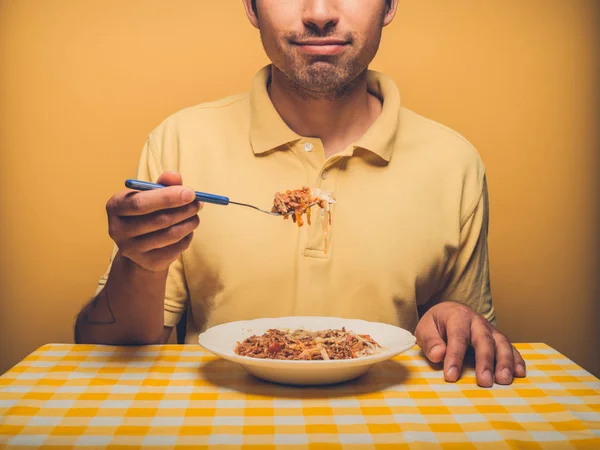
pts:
[408, 242]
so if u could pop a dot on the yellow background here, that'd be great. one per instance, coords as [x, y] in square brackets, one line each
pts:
[83, 83]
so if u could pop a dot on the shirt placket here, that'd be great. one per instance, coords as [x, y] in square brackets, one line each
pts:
[321, 174]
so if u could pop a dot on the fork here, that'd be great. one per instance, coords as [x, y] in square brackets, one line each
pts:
[139, 185]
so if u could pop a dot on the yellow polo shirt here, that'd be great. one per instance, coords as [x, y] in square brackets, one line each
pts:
[409, 226]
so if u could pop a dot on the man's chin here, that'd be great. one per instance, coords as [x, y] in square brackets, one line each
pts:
[322, 91]
[320, 79]
[323, 82]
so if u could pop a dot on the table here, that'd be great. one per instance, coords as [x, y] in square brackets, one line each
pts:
[173, 396]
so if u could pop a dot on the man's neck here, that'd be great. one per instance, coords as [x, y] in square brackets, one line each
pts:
[336, 121]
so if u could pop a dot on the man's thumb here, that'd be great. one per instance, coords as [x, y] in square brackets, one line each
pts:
[170, 178]
[429, 339]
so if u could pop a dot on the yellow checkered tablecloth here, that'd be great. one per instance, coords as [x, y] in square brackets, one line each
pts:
[82, 396]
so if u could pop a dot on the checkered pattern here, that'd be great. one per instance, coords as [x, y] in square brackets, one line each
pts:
[72, 396]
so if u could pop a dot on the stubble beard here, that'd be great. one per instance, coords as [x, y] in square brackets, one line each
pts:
[317, 77]
[322, 79]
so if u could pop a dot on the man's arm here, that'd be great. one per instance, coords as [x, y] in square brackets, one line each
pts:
[151, 229]
[128, 311]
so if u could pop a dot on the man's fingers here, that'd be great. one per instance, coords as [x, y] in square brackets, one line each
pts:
[133, 226]
[132, 203]
[163, 238]
[520, 366]
[505, 362]
[429, 339]
[458, 330]
[162, 258]
[485, 351]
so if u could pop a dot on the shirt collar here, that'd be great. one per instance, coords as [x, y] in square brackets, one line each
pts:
[381, 135]
[268, 131]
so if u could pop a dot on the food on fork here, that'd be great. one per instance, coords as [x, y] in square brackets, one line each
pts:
[308, 345]
[297, 202]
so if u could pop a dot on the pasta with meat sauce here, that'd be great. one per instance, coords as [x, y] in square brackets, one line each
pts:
[296, 203]
[308, 345]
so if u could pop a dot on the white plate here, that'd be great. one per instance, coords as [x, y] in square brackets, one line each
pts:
[222, 340]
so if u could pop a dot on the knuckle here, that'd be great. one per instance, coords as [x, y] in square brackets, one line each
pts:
[195, 221]
[464, 308]
[429, 340]
[171, 233]
[172, 196]
[502, 340]
[163, 220]
[136, 202]
[113, 230]
[505, 358]
[460, 314]
[126, 249]
[187, 241]
[481, 321]
[423, 332]
[464, 311]
[194, 207]
[461, 337]
[459, 331]
[186, 227]
[483, 340]
[177, 232]
[485, 357]
[111, 206]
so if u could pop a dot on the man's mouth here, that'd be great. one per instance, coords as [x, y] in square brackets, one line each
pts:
[321, 46]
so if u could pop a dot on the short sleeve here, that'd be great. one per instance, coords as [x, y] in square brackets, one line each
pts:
[176, 293]
[469, 280]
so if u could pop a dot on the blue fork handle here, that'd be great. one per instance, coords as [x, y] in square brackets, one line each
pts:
[200, 196]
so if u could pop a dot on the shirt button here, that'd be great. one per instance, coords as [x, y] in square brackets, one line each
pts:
[308, 147]
[324, 175]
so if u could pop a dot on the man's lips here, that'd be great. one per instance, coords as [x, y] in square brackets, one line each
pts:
[321, 46]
